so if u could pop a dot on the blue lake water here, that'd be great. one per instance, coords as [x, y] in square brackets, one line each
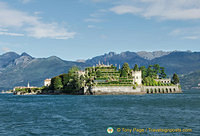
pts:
[67, 115]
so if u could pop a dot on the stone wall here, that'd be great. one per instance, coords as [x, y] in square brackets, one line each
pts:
[161, 89]
[100, 90]
[114, 90]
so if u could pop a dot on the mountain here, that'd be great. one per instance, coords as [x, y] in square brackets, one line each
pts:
[191, 80]
[179, 62]
[18, 70]
[174, 62]
[152, 55]
[113, 58]
[7, 58]
[24, 69]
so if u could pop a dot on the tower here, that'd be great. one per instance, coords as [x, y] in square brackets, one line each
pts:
[28, 85]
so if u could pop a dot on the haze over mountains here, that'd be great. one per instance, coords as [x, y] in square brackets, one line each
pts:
[17, 70]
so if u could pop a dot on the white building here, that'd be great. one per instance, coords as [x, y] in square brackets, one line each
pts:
[24, 87]
[137, 77]
[47, 82]
[164, 81]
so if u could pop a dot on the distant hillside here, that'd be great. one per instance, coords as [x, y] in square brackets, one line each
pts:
[190, 80]
[18, 69]
[152, 55]
[174, 62]
[24, 69]
[131, 58]
[7, 58]
[179, 62]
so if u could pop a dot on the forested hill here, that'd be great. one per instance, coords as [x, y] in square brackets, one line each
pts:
[174, 62]
[191, 80]
[18, 69]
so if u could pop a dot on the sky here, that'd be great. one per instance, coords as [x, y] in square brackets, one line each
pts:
[82, 29]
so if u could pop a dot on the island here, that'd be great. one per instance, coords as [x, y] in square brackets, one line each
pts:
[108, 80]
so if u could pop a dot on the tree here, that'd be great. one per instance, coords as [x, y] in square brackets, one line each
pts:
[136, 68]
[98, 73]
[57, 83]
[175, 79]
[73, 70]
[65, 79]
[156, 68]
[125, 70]
[144, 71]
[123, 73]
[150, 71]
[162, 72]
[126, 67]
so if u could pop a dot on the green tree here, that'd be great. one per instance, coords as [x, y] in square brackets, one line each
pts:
[65, 79]
[125, 70]
[74, 70]
[126, 67]
[156, 68]
[123, 73]
[98, 73]
[175, 79]
[136, 68]
[57, 83]
[150, 71]
[162, 72]
[144, 71]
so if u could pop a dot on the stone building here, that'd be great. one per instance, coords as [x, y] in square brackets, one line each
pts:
[164, 81]
[24, 87]
[137, 77]
[81, 73]
[47, 82]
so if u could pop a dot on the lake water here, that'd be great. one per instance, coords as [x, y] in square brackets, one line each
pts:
[67, 115]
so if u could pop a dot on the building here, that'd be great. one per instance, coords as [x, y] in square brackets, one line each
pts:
[47, 82]
[81, 73]
[24, 87]
[137, 77]
[164, 81]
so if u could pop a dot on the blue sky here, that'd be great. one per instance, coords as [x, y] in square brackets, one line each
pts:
[81, 29]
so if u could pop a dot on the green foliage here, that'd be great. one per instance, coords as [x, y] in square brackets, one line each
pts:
[175, 79]
[134, 86]
[144, 71]
[98, 74]
[162, 72]
[150, 71]
[125, 70]
[136, 68]
[123, 73]
[57, 83]
[126, 67]
[156, 68]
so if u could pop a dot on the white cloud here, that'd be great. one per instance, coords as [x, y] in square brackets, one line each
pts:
[10, 34]
[91, 26]
[192, 37]
[49, 31]
[96, 20]
[162, 9]
[191, 33]
[122, 9]
[30, 25]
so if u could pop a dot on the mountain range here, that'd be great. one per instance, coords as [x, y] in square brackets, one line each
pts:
[18, 70]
